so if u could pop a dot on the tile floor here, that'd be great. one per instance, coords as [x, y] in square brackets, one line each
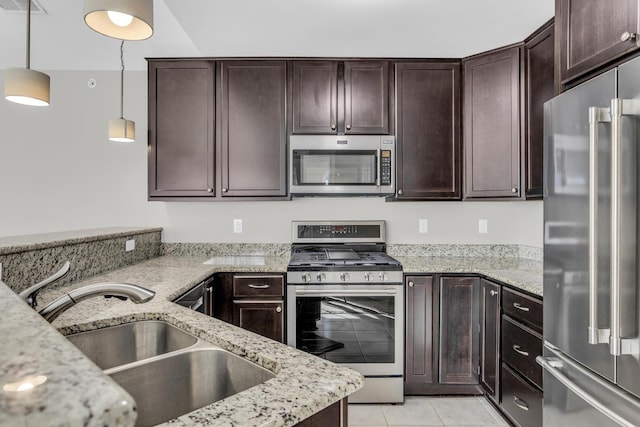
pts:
[418, 411]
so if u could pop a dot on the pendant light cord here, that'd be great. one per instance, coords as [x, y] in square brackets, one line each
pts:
[122, 79]
[28, 34]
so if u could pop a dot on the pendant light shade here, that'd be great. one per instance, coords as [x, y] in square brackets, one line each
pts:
[26, 86]
[122, 130]
[120, 19]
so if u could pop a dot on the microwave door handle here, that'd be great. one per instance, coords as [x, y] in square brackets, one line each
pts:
[596, 335]
[379, 158]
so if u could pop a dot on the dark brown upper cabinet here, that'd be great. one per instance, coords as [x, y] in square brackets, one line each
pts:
[492, 124]
[590, 35]
[538, 57]
[428, 141]
[181, 129]
[333, 97]
[253, 128]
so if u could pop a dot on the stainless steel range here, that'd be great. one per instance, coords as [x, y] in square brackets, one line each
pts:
[345, 302]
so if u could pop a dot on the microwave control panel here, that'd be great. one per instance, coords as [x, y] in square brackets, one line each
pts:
[385, 167]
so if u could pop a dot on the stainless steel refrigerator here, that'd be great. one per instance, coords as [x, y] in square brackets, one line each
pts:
[591, 356]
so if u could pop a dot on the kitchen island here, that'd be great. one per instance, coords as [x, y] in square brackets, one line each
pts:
[78, 393]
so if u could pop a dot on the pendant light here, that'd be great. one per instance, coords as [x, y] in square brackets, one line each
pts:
[120, 19]
[24, 85]
[121, 129]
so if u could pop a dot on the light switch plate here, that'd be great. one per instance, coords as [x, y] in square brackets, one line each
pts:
[130, 245]
[237, 226]
[483, 226]
[423, 225]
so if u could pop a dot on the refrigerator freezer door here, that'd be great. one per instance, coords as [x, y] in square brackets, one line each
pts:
[628, 366]
[566, 222]
[573, 396]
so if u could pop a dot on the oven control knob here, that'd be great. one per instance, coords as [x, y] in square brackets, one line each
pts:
[383, 277]
[306, 277]
[367, 277]
[344, 277]
[321, 277]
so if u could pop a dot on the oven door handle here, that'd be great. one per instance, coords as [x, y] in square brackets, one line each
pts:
[334, 292]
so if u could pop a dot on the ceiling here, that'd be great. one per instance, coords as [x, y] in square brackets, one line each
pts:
[294, 28]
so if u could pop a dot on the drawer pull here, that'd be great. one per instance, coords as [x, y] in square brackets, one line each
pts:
[520, 403]
[516, 348]
[520, 307]
[265, 286]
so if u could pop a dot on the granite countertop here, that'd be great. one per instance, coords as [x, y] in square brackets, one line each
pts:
[519, 273]
[78, 393]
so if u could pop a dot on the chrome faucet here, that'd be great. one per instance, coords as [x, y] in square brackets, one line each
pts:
[29, 295]
[135, 293]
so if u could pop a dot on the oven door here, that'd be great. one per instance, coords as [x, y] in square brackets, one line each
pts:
[358, 326]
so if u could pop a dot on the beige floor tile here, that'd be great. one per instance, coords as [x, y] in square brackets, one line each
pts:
[416, 411]
[366, 415]
[499, 418]
[463, 412]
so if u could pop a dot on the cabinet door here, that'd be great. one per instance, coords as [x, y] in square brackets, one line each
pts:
[366, 97]
[181, 128]
[265, 318]
[590, 33]
[459, 330]
[253, 128]
[538, 69]
[428, 130]
[419, 353]
[315, 97]
[490, 337]
[491, 124]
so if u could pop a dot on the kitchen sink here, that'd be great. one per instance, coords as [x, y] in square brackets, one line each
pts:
[131, 342]
[167, 387]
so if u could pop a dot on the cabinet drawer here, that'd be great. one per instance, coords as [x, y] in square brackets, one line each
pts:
[258, 286]
[522, 402]
[520, 347]
[522, 307]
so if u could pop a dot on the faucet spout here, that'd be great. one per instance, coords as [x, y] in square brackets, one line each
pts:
[29, 295]
[135, 293]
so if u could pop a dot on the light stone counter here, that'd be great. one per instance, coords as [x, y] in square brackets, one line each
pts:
[78, 393]
[519, 273]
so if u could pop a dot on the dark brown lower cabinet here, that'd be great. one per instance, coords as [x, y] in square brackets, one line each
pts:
[442, 335]
[490, 338]
[265, 318]
[521, 401]
[335, 415]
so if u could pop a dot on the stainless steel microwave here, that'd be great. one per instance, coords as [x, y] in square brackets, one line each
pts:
[350, 165]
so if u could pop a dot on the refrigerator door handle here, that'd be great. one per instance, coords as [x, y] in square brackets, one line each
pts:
[553, 365]
[596, 335]
[619, 107]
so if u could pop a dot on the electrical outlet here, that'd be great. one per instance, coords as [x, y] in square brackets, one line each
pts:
[130, 245]
[483, 226]
[237, 226]
[423, 225]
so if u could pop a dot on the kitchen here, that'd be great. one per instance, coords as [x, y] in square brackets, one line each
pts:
[81, 161]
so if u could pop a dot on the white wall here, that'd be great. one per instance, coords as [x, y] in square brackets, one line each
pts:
[59, 172]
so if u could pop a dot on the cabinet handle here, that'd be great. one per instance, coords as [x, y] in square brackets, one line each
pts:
[278, 309]
[514, 190]
[209, 190]
[348, 127]
[265, 286]
[516, 348]
[224, 190]
[520, 307]
[520, 403]
[628, 36]
[333, 127]
[493, 293]
[410, 284]
[399, 192]
[210, 290]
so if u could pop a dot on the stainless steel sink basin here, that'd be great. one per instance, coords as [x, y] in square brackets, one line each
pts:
[131, 342]
[170, 386]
